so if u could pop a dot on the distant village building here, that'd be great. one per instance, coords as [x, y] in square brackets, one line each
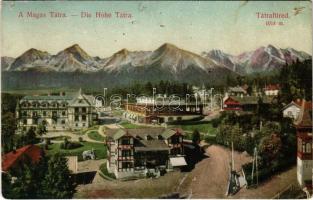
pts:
[138, 152]
[272, 90]
[245, 103]
[237, 91]
[303, 125]
[57, 112]
[150, 110]
[15, 158]
[292, 110]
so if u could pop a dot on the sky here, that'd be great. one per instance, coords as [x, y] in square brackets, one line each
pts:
[232, 27]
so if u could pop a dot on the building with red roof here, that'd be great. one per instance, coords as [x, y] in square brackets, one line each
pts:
[303, 125]
[14, 158]
[272, 89]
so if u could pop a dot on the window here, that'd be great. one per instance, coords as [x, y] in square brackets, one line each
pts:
[34, 114]
[76, 110]
[25, 113]
[63, 113]
[54, 114]
[289, 113]
[76, 118]
[76, 125]
[125, 141]
[83, 109]
[84, 124]
[44, 113]
[308, 148]
[25, 121]
[299, 145]
[84, 117]
[63, 122]
[126, 153]
[35, 121]
[175, 139]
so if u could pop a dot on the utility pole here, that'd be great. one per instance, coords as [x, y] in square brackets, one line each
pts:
[256, 164]
[232, 156]
[211, 91]
[104, 93]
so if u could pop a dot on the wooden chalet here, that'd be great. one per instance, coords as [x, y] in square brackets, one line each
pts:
[136, 152]
[245, 103]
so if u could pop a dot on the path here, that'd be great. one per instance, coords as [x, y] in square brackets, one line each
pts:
[74, 137]
[210, 176]
[270, 188]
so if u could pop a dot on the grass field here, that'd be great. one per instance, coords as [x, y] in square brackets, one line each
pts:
[202, 126]
[95, 136]
[100, 150]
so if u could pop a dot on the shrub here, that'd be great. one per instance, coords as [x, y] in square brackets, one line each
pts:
[210, 139]
[62, 145]
[73, 145]
[70, 145]
[48, 141]
[216, 122]
[80, 139]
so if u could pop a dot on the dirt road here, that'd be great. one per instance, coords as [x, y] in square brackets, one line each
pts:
[210, 176]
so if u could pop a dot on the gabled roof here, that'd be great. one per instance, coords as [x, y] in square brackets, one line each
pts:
[250, 99]
[153, 132]
[291, 104]
[152, 145]
[236, 89]
[305, 116]
[120, 133]
[47, 98]
[272, 87]
[168, 133]
[12, 158]
[86, 100]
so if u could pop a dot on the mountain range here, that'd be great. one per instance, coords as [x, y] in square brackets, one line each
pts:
[168, 62]
[167, 57]
[260, 60]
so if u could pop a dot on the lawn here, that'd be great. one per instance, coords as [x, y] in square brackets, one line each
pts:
[130, 125]
[208, 132]
[104, 170]
[94, 135]
[202, 126]
[100, 150]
